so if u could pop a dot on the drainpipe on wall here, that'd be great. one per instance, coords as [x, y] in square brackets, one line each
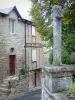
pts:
[25, 48]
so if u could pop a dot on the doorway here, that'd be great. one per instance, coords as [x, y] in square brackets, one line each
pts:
[12, 65]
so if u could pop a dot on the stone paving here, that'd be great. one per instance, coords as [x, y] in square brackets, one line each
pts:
[32, 95]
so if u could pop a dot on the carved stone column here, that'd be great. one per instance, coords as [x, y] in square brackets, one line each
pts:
[56, 22]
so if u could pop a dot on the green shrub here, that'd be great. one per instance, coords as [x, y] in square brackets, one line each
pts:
[22, 71]
[72, 58]
[71, 89]
[51, 57]
[64, 56]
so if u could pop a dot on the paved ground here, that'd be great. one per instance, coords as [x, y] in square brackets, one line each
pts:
[34, 95]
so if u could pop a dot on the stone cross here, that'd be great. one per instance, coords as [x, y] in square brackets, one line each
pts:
[56, 78]
[56, 22]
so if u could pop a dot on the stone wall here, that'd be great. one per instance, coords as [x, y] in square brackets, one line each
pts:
[34, 80]
[11, 40]
[19, 86]
[17, 41]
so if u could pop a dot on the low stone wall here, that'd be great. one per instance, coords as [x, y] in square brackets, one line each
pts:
[19, 86]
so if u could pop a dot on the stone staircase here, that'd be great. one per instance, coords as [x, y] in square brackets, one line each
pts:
[5, 87]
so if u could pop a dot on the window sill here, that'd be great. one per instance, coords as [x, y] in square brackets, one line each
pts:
[34, 61]
[12, 34]
[33, 36]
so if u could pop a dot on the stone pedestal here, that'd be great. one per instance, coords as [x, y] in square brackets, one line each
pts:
[56, 80]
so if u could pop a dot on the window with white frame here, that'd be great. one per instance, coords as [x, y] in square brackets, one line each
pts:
[11, 25]
[33, 54]
[33, 31]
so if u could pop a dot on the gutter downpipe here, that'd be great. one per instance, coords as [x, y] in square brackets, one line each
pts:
[25, 49]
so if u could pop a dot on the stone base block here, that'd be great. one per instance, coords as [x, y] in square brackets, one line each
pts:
[56, 80]
[53, 96]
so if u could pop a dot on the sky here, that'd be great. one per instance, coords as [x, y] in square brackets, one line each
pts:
[23, 6]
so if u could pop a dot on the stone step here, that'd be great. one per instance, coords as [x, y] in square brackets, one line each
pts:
[4, 86]
[4, 91]
[8, 78]
[6, 82]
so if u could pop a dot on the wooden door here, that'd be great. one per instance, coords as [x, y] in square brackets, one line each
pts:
[12, 64]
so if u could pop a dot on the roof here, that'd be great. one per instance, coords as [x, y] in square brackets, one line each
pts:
[6, 11]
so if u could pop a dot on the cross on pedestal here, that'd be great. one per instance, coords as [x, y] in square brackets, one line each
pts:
[57, 77]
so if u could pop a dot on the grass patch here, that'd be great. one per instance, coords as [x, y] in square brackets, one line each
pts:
[71, 89]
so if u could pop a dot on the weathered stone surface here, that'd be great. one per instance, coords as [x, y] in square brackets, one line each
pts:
[56, 79]
[56, 11]
[19, 86]
[54, 96]
[56, 22]
[62, 68]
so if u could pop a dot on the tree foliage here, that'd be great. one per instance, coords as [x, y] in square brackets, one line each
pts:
[41, 15]
[68, 33]
[64, 55]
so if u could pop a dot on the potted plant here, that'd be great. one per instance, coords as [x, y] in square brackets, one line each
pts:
[71, 92]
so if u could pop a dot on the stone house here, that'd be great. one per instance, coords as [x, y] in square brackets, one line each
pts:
[20, 46]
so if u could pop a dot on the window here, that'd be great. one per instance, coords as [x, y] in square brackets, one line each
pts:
[33, 54]
[33, 31]
[12, 25]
